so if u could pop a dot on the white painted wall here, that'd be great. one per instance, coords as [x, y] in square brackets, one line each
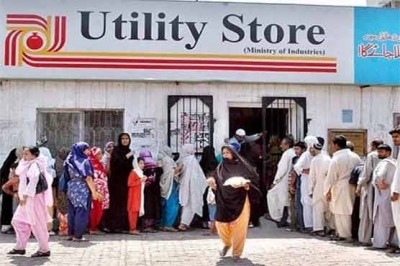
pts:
[380, 3]
[372, 107]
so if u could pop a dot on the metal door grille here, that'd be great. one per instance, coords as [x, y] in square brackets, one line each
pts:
[190, 120]
[285, 115]
[281, 116]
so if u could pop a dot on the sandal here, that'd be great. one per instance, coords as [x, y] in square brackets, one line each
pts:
[39, 254]
[16, 252]
[393, 251]
[170, 229]
[9, 231]
[96, 233]
[149, 230]
[135, 233]
[79, 239]
[183, 227]
[223, 251]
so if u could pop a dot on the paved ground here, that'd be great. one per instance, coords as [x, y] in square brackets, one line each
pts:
[267, 245]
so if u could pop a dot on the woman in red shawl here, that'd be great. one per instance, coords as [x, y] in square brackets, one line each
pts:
[101, 182]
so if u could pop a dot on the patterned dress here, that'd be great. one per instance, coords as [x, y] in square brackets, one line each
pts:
[101, 182]
[78, 190]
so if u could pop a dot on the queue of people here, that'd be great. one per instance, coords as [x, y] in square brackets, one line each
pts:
[340, 196]
[119, 191]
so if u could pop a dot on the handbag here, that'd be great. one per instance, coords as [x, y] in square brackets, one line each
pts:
[42, 185]
[63, 182]
[355, 174]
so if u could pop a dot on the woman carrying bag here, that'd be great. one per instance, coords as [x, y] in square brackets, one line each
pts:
[236, 190]
[35, 196]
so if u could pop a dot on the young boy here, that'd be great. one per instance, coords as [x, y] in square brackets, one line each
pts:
[212, 208]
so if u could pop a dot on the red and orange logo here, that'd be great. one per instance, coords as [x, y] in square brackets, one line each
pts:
[30, 35]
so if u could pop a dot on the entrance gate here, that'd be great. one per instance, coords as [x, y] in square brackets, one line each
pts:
[281, 116]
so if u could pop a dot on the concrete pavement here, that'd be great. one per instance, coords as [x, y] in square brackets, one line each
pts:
[267, 245]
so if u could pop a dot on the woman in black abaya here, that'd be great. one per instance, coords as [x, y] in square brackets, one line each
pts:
[234, 203]
[116, 217]
[7, 203]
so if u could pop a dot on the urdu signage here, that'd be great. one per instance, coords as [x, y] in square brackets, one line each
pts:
[184, 41]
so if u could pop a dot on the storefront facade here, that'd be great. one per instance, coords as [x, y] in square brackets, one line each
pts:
[168, 76]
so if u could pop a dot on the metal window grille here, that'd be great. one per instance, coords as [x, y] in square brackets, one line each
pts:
[190, 120]
[64, 127]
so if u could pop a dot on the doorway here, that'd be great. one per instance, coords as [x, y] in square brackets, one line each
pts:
[251, 120]
[279, 117]
[282, 116]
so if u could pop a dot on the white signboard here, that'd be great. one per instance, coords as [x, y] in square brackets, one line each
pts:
[143, 135]
[186, 41]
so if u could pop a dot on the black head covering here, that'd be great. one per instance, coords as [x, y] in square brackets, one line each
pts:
[116, 217]
[5, 168]
[7, 203]
[120, 140]
[208, 161]
[122, 149]
[230, 201]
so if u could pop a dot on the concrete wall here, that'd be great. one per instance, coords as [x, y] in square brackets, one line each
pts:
[372, 107]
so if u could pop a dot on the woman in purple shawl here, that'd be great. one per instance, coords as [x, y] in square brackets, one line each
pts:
[81, 190]
[152, 192]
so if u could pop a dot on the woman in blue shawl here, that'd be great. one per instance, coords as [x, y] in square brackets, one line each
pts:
[81, 190]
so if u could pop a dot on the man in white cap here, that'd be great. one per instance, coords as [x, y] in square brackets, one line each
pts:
[302, 167]
[318, 172]
[240, 137]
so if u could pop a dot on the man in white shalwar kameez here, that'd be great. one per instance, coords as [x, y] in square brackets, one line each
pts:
[338, 188]
[366, 192]
[278, 195]
[302, 167]
[382, 215]
[318, 172]
[395, 187]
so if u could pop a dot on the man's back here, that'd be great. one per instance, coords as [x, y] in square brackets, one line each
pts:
[345, 161]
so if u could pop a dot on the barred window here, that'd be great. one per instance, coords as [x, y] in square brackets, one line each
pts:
[64, 127]
[190, 120]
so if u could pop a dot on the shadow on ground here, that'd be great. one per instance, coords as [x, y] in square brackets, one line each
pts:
[229, 261]
[266, 230]
[24, 261]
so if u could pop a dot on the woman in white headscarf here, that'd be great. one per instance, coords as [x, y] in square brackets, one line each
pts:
[192, 186]
[44, 151]
[135, 206]
[50, 161]
[31, 215]
[169, 189]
